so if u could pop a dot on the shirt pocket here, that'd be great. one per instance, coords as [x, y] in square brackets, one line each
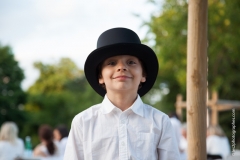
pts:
[146, 146]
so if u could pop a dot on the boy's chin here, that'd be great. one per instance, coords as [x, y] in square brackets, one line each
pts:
[123, 91]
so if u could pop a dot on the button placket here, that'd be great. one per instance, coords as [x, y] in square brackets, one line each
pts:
[123, 153]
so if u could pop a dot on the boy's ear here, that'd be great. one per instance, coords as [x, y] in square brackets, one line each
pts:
[143, 79]
[100, 80]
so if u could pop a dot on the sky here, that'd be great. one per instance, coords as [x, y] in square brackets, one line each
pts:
[48, 30]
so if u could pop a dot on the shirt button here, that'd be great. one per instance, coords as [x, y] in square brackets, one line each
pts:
[123, 144]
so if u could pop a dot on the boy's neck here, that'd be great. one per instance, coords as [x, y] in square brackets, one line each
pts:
[122, 101]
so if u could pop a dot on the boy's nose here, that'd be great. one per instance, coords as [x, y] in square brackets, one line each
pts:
[121, 67]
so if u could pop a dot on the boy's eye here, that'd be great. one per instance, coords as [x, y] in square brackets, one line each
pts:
[131, 62]
[111, 63]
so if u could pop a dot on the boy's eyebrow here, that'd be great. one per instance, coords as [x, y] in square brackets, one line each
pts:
[133, 58]
[110, 59]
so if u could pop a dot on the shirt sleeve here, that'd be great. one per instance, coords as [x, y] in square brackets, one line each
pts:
[74, 147]
[167, 147]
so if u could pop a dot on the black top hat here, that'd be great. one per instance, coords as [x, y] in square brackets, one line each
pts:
[121, 41]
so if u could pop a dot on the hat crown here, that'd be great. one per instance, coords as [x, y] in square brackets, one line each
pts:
[117, 35]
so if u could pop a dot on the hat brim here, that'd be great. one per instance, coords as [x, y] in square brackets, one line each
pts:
[141, 51]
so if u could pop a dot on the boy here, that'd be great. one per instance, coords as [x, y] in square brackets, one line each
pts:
[122, 127]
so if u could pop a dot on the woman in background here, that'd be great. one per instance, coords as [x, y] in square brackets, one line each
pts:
[11, 146]
[217, 142]
[60, 134]
[47, 147]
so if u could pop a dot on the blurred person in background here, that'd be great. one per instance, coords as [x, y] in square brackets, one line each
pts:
[176, 123]
[217, 142]
[48, 147]
[60, 134]
[183, 142]
[11, 146]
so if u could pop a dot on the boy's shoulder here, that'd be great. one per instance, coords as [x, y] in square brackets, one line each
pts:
[89, 112]
[148, 111]
[154, 111]
[155, 114]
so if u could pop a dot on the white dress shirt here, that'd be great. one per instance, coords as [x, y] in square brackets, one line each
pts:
[104, 132]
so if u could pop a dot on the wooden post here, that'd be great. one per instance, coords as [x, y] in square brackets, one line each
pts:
[197, 79]
[214, 116]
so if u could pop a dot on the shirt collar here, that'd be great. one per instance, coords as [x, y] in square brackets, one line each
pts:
[107, 105]
[137, 106]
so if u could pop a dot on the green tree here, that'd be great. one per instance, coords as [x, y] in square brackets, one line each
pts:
[12, 97]
[168, 31]
[60, 92]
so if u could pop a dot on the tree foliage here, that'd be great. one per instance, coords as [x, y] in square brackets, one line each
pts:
[60, 92]
[12, 97]
[168, 30]
[223, 50]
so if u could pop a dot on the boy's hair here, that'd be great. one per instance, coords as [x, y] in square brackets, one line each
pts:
[120, 41]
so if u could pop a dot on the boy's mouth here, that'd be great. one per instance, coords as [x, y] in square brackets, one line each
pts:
[121, 77]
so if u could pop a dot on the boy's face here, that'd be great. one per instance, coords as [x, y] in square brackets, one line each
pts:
[122, 73]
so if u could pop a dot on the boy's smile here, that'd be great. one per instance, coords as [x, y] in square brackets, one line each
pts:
[122, 73]
[121, 77]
